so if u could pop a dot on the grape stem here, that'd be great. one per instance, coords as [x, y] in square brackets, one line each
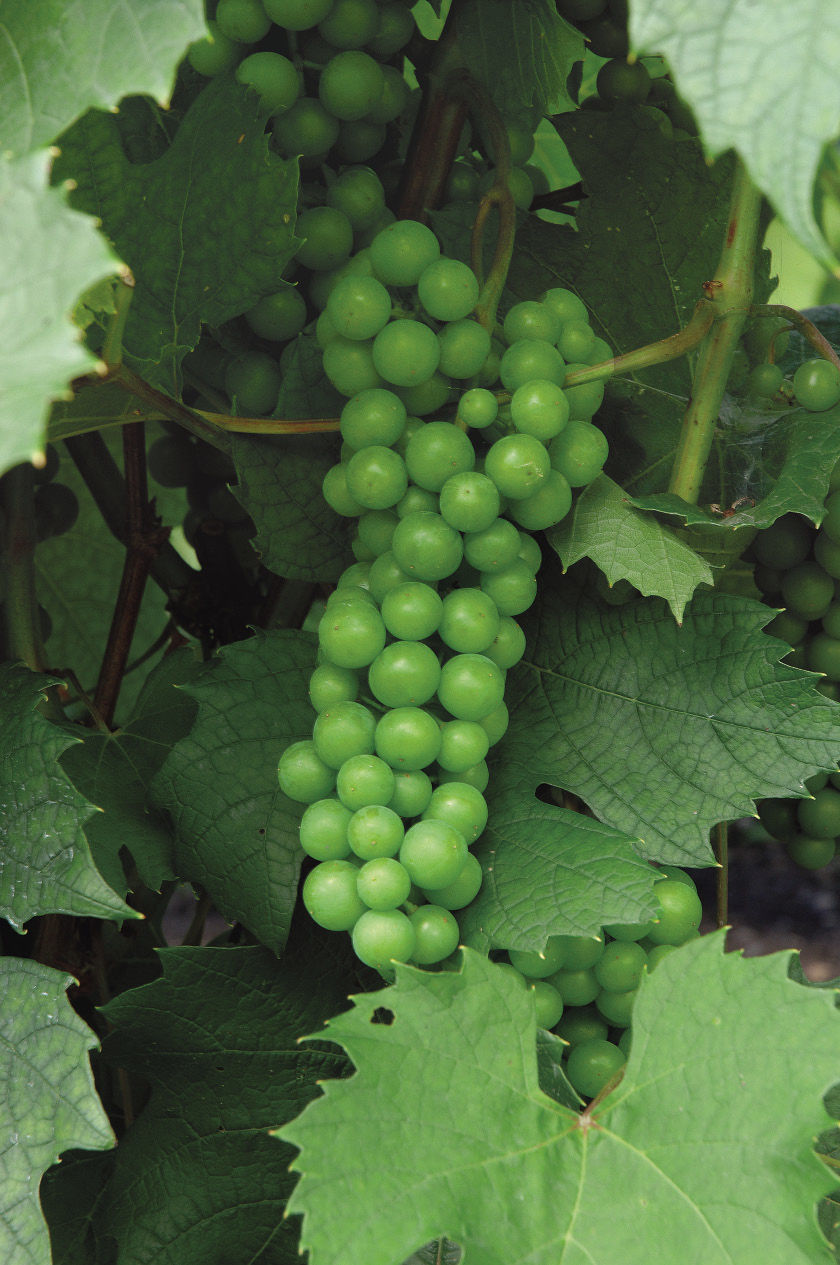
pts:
[730, 296]
[806, 328]
[722, 854]
[435, 136]
[658, 353]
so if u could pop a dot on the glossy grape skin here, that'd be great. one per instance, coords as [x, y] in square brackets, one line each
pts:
[459, 805]
[274, 77]
[469, 501]
[306, 128]
[278, 317]
[592, 1065]
[408, 738]
[539, 965]
[434, 854]
[436, 452]
[437, 934]
[406, 353]
[358, 307]
[412, 611]
[621, 965]
[463, 890]
[579, 452]
[402, 251]
[471, 686]
[375, 831]
[350, 85]
[426, 547]
[405, 673]
[365, 780]
[816, 385]
[303, 775]
[517, 464]
[383, 937]
[448, 289]
[679, 913]
[469, 621]
[323, 830]
[330, 897]
[383, 883]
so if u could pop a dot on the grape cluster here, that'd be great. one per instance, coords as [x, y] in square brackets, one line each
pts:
[798, 568]
[428, 611]
[584, 987]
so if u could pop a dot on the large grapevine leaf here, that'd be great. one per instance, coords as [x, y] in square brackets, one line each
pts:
[198, 1178]
[522, 53]
[47, 1099]
[51, 253]
[219, 207]
[114, 771]
[549, 871]
[236, 832]
[58, 58]
[45, 860]
[702, 1154]
[753, 73]
[70, 1196]
[628, 545]
[663, 731]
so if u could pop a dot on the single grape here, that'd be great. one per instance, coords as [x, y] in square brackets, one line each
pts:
[539, 965]
[478, 407]
[539, 408]
[358, 307]
[548, 1004]
[383, 883]
[807, 590]
[406, 352]
[620, 82]
[508, 646]
[576, 987]
[592, 1065]
[678, 916]
[530, 358]
[349, 366]
[328, 237]
[278, 317]
[460, 805]
[402, 251]
[585, 398]
[436, 932]
[434, 854]
[811, 854]
[343, 730]
[617, 1008]
[377, 478]
[350, 23]
[494, 548]
[448, 289]
[463, 744]
[621, 965]
[408, 738]
[463, 890]
[471, 686]
[576, 341]
[816, 385]
[412, 611]
[386, 574]
[253, 383]
[350, 85]
[547, 506]
[396, 95]
[305, 129]
[412, 793]
[382, 937]
[405, 673]
[303, 775]
[358, 193]
[330, 897]
[274, 77]
[426, 397]
[363, 780]
[785, 544]
[582, 1023]
[352, 636]
[464, 347]
[532, 319]
[323, 830]
[330, 684]
[214, 54]
[581, 952]
[469, 622]
[375, 831]
[517, 464]
[242, 20]
[513, 588]
[579, 453]
[565, 305]
[820, 817]
[426, 547]
[396, 27]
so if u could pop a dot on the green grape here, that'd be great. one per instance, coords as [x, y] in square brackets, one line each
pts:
[305, 129]
[375, 831]
[477, 775]
[820, 817]
[508, 646]
[376, 529]
[396, 27]
[581, 952]
[323, 830]
[352, 636]
[462, 185]
[406, 352]
[329, 895]
[436, 932]
[382, 937]
[463, 890]
[330, 684]
[517, 464]
[353, 577]
[581, 1023]
[342, 731]
[607, 38]
[493, 549]
[807, 590]
[253, 383]
[471, 686]
[469, 623]
[242, 20]
[394, 99]
[495, 723]
[656, 953]
[765, 380]
[576, 341]
[535, 965]
[565, 305]
[412, 792]
[621, 83]
[461, 806]
[464, 347]
[579, 453]
[831, 522]
[402, 251]
[530, 358]
[531, 319]
[436, 452]
[297, 15]
[785, 544]
[592, 1065]
[383, 883]
[427, 397]
[416, 500]
[408, 738]
[377, 478]
[373, 417]
[576, 987]
[358, 307]
[469, 501]
[350, 85]
[824, 655]
[547, 506]
[518, 183]
[278, 317]
[412, 611]
[274, 77]
[617, 1008]
[350, 23]
[349, 366]
[214, 54]
[585, 399]
[434, 854]
[364, 780]
[513, 588]
[386, 574]
[302, 774]
[448, 289]
[548, 1003]
[358, 193]
[678, 916]
[478, 408]
[827, 553]
[328, 238]
[599, 352]
[811, 854]
[426, 547]
[463, 744]
[539, 408]
[816, 385]
[405, 673]
[628, 930]
[622, 963]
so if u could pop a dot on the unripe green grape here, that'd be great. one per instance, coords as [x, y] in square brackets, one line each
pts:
[546, 507]
[478, 775]
[405, 673]
[375, 831]
[582, 1023]
[436, 932]
[584, 399]
[577, 988]
[548, 1004]
[599, 352]
[342, 731]
[329, 895]
[463, 890]
[364, 780]
[393, 100]
[350, 85]
[412, 792]
[358, 193]
[330, 684]
[811, 854]
[383, 883]
[463, 744]
[531, 319]
[349, 366]
[352, 636]
[576, 341]
[816, 385]
[517, 464]
[214, 54]
[820, 817]
[416, 500]
[376, 529]
[807, 590]
[471, 686]
[469, 622]
[350, 23]
[656, 953]
[579, 452]
[434, 853]
[513, 588]
[535, 965]
[462, 185]
[592, 1065]
[824, 655]
[377, 477]
[827, 554]
[386, 574]
[628, 931]
[297, 15]
[278, 317]
[426, 397]
[678, 916]
[621, 83]
[402, 251]
[565, 305]
[765, 380]
[539, 408]
[383, 937]
[274, 77]
[242, 20]
[478, 408]
[406, 352]
[531, 358]
[469, 501]
[396, 27]
[461, 806]
[582, 952]
[374, 416]
[408, 738]
[412, 611]
[617, 1008]
[323, 830]
[785, 544]
[621, 965]
[436, 452]
[253, 383]
[305, 129]
[359, 307]
[354, 577]
[518, 183]
[508, 646]
[464, 347]
[328, 237]
[426, 547]
[303, 775]
[448, 289]
[494, 548]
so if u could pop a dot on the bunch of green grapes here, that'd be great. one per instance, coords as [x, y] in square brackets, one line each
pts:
[584, 987]
[798, 569]
[415, 642]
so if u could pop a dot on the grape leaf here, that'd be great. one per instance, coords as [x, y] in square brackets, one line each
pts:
[48, 248]
[664, 1151]
[45, 861]
[197, 1177]
[114, 770]
[70, 1195]
[628, 545]
[752, 74]
[59, 58]
[96, 407]
[236, 832]
[47, 1099]
[522, 53]
[549, 871]
[663, 731]
[207, 266]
